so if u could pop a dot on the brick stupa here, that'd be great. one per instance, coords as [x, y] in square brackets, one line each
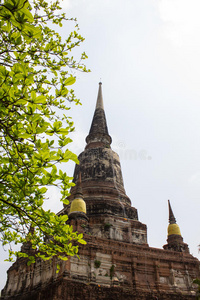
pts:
[117, 262]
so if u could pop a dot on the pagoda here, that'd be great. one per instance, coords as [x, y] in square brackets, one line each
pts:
[117, 262]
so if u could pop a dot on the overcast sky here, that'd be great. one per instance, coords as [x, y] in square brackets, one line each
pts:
[147, 54]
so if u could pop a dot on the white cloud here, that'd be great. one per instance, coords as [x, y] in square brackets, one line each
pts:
[182, 22]
[178, 43]
[195, 179]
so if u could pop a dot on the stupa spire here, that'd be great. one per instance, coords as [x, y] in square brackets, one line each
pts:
[174, 237]
[99, 103]
[173, 228]
[172, 219]
[98, 135]
[101, 176]
[79, 193]
[78, 205]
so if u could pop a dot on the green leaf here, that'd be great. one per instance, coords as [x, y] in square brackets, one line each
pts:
[63, 131]
[21, 102]
[82, 242]
[70, 80]
[40, 99]
[43, 190]
[57, 268]
[28, 14]
[65, 201]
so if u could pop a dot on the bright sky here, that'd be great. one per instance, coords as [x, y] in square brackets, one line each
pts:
[147, 54]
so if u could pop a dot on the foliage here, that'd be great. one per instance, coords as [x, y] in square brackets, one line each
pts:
[107, 226]
[112, 271]
[197, 281]
[35, 79]
[97, 264]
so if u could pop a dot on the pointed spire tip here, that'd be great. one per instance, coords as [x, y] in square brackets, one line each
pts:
[99, 103]
[98, 130]
[172, 219]
[79, 192]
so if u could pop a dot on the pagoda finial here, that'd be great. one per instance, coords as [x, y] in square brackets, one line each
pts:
[174, 237]
[172, 219]
[79, 193]
[99, 103]
[98, 135]
[173, 228]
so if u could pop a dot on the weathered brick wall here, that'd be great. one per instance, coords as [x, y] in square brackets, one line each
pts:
[107, 269]
[68, 290]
